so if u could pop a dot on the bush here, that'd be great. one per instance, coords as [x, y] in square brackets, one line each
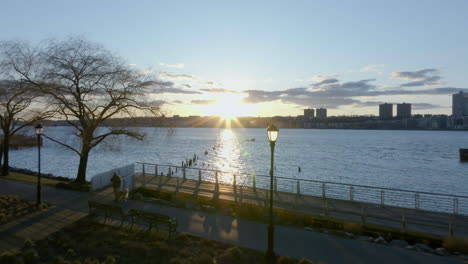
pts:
[286, 260]
[351, 227]
[454, 243]
[304, 261]
[74, 186]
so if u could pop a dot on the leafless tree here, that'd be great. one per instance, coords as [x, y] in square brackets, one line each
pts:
[19, 107]
[87, 85]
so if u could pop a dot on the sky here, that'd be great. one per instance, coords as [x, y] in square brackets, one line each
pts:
[268, 58]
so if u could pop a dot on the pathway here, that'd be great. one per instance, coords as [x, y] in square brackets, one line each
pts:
[291, 241]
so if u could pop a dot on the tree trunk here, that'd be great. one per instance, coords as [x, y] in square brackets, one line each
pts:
[81, 176]
[6, 148]
[1, 153]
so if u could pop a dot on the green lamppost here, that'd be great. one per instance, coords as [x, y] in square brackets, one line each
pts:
[39, 133]
[272, 137]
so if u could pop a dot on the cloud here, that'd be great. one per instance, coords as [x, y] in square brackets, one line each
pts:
[177, 102]
[332, 94]
[176, 76]
[204, 102]
[418, 78]
[173, 90]
[378, 68]
[219, 90]
[175, 65]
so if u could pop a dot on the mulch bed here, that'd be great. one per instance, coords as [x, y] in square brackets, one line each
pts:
[12, 207]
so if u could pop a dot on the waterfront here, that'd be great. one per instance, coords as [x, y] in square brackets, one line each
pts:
[415, 160]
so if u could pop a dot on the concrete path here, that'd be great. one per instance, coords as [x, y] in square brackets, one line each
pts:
[288, 240]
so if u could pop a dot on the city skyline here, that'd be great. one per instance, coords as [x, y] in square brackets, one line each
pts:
[275, 58]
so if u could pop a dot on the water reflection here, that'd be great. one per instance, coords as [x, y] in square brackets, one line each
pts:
[227, 155]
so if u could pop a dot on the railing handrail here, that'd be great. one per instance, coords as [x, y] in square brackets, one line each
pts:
[315, 181]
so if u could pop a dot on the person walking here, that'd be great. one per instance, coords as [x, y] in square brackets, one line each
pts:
[116, 182]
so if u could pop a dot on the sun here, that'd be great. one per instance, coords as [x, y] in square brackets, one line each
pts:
[229, 106]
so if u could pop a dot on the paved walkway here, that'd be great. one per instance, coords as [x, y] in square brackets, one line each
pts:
[391, 216]
[70, 206]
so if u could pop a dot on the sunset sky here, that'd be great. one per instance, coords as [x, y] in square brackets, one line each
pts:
[266, 58]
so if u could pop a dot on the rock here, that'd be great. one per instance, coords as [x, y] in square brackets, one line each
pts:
[442, 252]
[399, 243]
[424, 248]
[410, 247]
[380, 240]
[366, 238]
[349, 235]
[308, 228]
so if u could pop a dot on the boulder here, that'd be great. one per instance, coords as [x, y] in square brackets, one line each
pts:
[399, 243]
[424, 248]
[410, 248]
[349, 235]
[308, 228]
[380, 240]
[366, 238]
[442, 251]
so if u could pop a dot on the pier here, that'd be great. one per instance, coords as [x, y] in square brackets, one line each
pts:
[434, 213]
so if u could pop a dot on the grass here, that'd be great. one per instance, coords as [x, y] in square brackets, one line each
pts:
[87, 241]
[456, 244]
[29, 178]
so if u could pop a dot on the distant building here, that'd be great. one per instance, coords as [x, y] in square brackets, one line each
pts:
[309, 113]
[321, 113]
[403, 110]
[460, 104]
[386, 111]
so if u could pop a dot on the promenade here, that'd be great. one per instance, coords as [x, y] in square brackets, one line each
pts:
[390, 216]
[290, 241]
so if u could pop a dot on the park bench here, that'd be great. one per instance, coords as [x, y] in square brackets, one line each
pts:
[154, 220]
[107, 211]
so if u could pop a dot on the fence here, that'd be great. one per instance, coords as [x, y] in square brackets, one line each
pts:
[436, 202]
[103, 179]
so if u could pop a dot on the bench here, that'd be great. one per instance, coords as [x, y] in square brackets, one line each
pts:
[158, 221]
[107, 210]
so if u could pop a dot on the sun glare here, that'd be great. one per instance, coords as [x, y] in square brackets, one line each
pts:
[229, 106]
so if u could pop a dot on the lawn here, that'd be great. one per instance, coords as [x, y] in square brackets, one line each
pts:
[29, 178]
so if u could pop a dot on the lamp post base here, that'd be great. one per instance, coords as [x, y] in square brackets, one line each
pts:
[270, 254]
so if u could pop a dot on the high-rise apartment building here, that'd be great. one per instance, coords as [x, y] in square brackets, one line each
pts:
[460, 104]
[321, 113]
[404, 110]
[386, 111]
[309, 113]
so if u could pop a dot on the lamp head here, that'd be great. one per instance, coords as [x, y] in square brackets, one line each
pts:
[39, 130]
[272, 133]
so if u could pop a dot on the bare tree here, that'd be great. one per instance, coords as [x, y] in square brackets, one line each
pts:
[87, 85]
[17, 107]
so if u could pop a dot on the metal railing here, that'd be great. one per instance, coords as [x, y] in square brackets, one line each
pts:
[428, 201]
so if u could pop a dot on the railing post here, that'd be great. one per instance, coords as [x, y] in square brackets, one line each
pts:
[403, 221]
[382, 197]
[275, 184]
[351, 193]
[416, 200]
[144, 174]
[254, 183]
[199, 176]
[234, 182]
[363, 215]
[450, 226]
[156, 170]
[298, 187]
[455, 206]
[169, 172]
[324, 194]
[183, 173]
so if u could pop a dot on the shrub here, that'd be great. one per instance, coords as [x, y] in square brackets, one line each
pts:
[304, 261]
[286, 260]
[73, 186]
[352, 227]
[204, 258]
[453, 243]
[30, 256]
[10, 257]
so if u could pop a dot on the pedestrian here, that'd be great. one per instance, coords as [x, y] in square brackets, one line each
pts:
[116, 182]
